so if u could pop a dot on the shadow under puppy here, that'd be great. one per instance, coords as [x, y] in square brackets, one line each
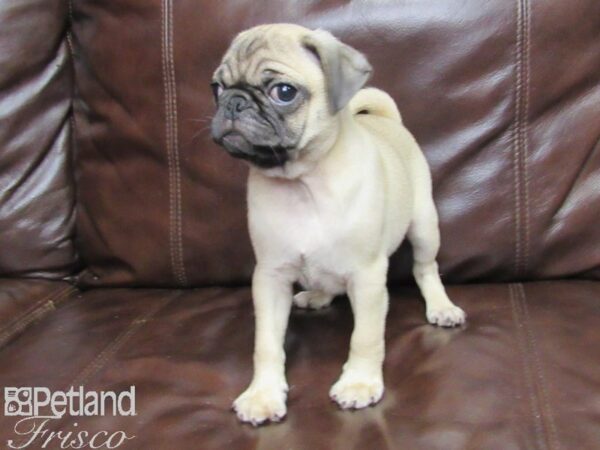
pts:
[335, 184]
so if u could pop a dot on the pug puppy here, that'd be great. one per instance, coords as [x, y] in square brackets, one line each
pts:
[335, 184]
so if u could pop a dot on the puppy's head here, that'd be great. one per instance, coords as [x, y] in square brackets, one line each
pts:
[278, 90]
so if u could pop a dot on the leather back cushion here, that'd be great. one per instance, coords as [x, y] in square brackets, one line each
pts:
[37, 200]
[504, 97]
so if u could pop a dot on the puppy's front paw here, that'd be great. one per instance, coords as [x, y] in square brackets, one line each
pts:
[448, 316]
[355, 390]
[261, 403]
[312, 299]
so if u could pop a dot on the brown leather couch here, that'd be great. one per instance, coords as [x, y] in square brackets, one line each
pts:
[125, 259]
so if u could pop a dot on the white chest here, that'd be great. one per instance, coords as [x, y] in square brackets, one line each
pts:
[320, 236]
[316, 246]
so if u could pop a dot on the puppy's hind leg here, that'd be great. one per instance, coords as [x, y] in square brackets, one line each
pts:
[424, 235]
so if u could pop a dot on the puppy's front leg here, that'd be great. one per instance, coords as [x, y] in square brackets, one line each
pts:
[265, 398]
[361, 382]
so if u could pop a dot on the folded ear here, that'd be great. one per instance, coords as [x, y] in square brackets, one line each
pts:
[346, 69]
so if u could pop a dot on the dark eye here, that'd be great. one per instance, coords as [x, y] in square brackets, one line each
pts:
[283, 93]
[217, 89]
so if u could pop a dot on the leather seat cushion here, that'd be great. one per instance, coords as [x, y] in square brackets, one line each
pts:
[523, 373]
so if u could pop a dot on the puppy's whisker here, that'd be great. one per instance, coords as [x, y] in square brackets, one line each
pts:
[199, 133]
[201, 119]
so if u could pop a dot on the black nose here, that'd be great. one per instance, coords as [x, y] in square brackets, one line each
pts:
[236, 105]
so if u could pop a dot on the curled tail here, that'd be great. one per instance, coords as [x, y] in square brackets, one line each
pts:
[375, 102]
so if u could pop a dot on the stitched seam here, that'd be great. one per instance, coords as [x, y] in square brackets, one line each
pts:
[172, 174]
[520, 139]
[16, 320]
[72, 121]
[525, 131]
[168, 69]
[37, 311]
[517, 205]
[516, 138]
[70, 27]
[113, 347]
[527, 67]
[167, 89]
[35, 306]
[521, 394]
[541, 386]
[178, 215]
[533, 406]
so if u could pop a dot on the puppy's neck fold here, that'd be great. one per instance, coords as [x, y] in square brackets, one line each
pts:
[317, 152]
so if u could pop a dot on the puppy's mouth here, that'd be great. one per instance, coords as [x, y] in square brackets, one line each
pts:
[263, 156]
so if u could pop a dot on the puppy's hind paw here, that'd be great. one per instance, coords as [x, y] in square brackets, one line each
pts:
[448, 316]
[312, 299]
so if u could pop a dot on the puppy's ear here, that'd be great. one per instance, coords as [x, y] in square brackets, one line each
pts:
[346, 70]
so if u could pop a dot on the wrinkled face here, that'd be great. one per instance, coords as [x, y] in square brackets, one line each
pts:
[263, 99]
[278, 90]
